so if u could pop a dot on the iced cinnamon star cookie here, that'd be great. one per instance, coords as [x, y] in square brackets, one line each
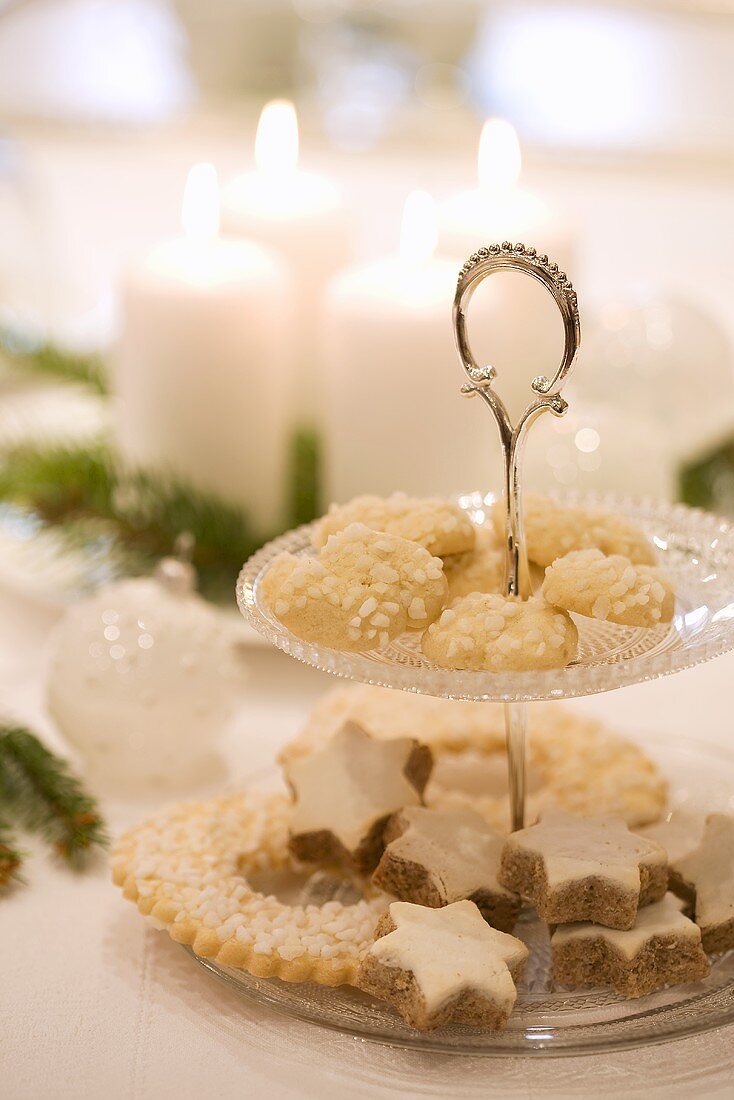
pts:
[439, 526]
[436, 857]
[501, 634]
[435, 966]
[707, 873]
[662, 948]
[609, 588]
[479, 570]
[552, 530]
[345, 794]
[584, 868]
[363, 590]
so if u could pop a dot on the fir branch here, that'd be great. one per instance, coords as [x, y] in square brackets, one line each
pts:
[11, 858]
[304, 477]
[49, 361]
[47, 798]
[142, 512]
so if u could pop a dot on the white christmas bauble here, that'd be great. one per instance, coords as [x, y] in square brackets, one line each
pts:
[142, 679]
[597, 448]
[665, 361]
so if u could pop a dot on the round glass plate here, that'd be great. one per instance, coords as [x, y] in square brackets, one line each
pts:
[547, 1020]
[696, 551]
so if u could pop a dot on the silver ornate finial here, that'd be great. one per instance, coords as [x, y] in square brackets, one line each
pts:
[481, 264]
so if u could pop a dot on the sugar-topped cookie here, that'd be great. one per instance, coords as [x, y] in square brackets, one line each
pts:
[479, 570]
[552, 530]
[609, 588]
[345, 794]
[663, 947]
[708, 874]
[439, 526]
[436, 966]
[501, 634]
[436, 857]
[584, 868]
[364, 589]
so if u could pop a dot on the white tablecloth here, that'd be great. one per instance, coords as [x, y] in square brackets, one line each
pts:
[96, 1004]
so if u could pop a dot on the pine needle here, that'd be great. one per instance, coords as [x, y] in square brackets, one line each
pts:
[46, 798]
[304, 477]
[48, 361]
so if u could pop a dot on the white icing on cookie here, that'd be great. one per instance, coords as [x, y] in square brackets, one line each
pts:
[680, 834]
[662, 918]
[710, 870]
[575, 848]
[350, 785]
[451, 950]
[439, 526]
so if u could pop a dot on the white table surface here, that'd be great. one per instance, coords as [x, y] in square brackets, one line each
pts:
[94, 1003]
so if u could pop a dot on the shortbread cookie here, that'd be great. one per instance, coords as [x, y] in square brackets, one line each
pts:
[662, 948]
[479, 570]
[441, 527]
[584, 868]
[552, 530]
[345, 794]
[609, 588]
[436, 857]
[501, 634]
[363, 590]
[436, 966]
[707, 874]
[190, 869]
[574, 762]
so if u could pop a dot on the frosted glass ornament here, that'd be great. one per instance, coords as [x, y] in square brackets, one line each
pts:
[142, 679]
[597, 448]
[666, 361]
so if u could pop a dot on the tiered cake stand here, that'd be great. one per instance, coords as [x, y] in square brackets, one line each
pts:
[697, 552]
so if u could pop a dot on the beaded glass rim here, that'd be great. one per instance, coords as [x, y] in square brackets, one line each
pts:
[696, 550]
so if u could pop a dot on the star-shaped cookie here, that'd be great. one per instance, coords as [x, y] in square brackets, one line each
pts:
[708, 873]
[440, 965]
[345, 793]
[576, 868]
[436, 857]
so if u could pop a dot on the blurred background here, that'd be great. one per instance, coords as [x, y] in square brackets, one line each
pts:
[229, 238]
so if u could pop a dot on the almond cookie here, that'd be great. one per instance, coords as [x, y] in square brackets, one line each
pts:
[501, 634]
[609, 588]
[345, 794]
[439, 526]
[436, 857]
[552, 530]
[584, 868]
[193, 870]
[575, 762]
[707, 875]
[663, 947]
[437, 966]
[479, 570]
[364, 589]
[680, 834]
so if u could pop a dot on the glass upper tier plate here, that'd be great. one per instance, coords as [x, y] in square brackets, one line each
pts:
[696, 551]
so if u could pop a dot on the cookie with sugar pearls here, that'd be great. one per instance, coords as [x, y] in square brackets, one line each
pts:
[481, 569]
[438, 525]
[501, 634]
[611, 589]
[552, 530]
[362, 590]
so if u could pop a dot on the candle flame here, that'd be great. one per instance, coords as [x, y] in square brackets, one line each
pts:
[200, 206]
[276, 141]
[500, 159]
[419, 229]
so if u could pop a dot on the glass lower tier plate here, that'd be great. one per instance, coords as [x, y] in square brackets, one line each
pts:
[547, 1020]
[696, 551]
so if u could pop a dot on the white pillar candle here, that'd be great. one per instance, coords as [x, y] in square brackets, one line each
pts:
[202, 365]
[395, 416]
[514, 324]
[300, 216]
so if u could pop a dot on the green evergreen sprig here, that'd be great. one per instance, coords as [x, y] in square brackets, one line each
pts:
[43, 796]
[48, 360]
